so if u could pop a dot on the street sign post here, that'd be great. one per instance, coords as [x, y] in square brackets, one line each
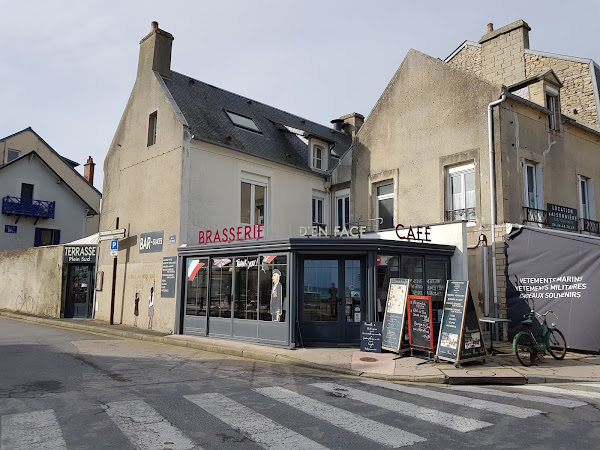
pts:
[109, 235]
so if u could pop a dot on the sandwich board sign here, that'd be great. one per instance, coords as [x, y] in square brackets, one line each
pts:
[461, 338]
[420, 323]
[395, 318]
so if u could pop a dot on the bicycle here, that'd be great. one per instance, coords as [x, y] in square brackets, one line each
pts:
[528, 349]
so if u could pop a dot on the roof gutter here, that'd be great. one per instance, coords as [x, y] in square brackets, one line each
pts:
[493, 200]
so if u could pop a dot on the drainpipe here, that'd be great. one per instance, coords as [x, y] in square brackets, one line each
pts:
[493, 202]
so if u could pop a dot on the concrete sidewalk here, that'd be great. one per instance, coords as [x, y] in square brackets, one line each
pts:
[500, 369]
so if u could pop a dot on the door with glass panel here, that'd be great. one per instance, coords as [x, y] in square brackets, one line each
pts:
[331, 304]
[196, 296]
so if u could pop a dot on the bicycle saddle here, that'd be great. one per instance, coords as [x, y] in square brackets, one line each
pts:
[528, 320]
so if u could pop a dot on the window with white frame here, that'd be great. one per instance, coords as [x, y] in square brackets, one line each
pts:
[253, 202]
[533, 191]
[384, 206]
[461, 193]
[317, 157]
[342, 208]
[553, 105]
[586, 198]
[318, 210]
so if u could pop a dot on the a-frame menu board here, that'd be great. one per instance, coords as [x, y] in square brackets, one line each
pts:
[461, 338]
[395, 314]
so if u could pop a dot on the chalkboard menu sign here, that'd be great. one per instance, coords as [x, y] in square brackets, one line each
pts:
[370, 337]
[460, 333]
[420, 322]
[395, 314]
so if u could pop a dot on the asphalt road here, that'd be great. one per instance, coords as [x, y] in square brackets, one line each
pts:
[64, 389]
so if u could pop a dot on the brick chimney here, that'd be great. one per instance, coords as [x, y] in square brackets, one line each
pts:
[503, 53]
[88, 170]
[155, 51]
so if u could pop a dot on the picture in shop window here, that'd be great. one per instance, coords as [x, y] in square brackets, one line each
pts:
[273, 280]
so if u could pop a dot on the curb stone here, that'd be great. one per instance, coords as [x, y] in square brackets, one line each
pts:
[285, 359]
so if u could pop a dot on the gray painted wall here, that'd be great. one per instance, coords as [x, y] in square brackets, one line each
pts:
[70, 211]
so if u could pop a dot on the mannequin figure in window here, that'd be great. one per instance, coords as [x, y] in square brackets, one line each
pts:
[276, 297]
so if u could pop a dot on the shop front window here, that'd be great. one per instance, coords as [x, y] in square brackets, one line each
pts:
[197, 287]
[412, 268]
[272, 278]
[246, 287]
[387, 267]
[436, 286]
[352, 293]
[220, 288]
[320, 290]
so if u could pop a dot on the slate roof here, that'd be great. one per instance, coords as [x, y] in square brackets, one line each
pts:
[283, 137]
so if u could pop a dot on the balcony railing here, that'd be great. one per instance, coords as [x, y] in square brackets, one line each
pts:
[28, 207]
[591, 226]
[467, 214]
[536, 215]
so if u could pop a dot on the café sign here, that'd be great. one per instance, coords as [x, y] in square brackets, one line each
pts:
[418, 233]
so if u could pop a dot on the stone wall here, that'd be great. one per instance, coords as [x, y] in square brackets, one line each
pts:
[577, 94]
[31, 280]
[502, 53]
[468, 59]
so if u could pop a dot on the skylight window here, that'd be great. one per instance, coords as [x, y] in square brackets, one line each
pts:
[243, 122]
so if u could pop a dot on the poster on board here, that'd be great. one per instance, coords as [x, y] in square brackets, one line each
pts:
[420, 322]
[395, 314]
[461, 337]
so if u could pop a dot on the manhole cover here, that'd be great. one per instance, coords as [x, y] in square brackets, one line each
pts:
[481, 373]
[369, 359]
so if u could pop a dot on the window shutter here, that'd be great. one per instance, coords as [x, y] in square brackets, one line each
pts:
[38, 237]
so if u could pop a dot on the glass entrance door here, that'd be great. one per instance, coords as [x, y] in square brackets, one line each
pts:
[78, 301]
[331, 306]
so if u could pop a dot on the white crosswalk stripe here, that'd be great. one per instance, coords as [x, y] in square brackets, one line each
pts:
[555, 390]
[32, 430]
[530, 398]
[146, 428]
[452, 421]
[259, 428]
[484, 405]
[594, 385]
[364, 427]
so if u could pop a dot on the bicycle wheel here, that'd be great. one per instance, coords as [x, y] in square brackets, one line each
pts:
[525, 350]
[557, 346]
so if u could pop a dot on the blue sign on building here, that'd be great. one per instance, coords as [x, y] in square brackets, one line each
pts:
[10, 228]
[114, 244]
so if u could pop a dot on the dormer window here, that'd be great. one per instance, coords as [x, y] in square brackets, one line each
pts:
[553, 105]
[243, 122]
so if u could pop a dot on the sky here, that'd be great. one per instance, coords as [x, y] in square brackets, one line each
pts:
[68, 66]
